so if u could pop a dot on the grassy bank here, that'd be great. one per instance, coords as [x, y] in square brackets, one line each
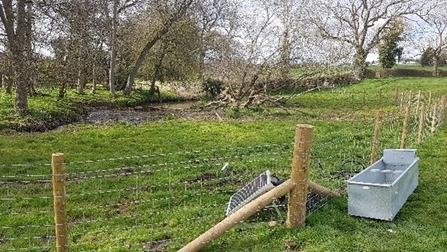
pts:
[47, 111]
[159, 185]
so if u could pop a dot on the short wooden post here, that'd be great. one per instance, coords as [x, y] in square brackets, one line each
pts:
[403, 143]
[296, 214]
[443, 107]
[396, 95]
[430, 97]
[375, 145]
[380, 97]
[418, 102]
[433, 120]
[402, 99]
[421, 124]
[60, 203]
[410, 98]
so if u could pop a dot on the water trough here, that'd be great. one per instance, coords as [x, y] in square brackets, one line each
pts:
[380, 191]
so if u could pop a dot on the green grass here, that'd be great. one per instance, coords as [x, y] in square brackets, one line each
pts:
[160, 184]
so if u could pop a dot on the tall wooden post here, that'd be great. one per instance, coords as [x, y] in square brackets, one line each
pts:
[430, 97]
[421, 124]
[410, 98]
[403, 143]
[402, 99]
[433, 120]
[60, 203]
[296, 214]
[380, 97]
[418, 102]
[375, 146]
[396, 95]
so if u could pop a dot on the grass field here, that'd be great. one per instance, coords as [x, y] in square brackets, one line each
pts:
[157, 186]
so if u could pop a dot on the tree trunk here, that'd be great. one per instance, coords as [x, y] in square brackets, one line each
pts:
[82, 81]
[436, 60]
[360, 64]
[19, 61]
[112, 69]
[30, 62]
[20, 70]
[94, 77]
[21, 100]
[285, 56]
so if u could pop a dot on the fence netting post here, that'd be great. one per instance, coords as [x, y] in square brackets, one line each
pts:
[60, 204]
[376, 140]
[296, 213]
[403, 142]
[421, 124]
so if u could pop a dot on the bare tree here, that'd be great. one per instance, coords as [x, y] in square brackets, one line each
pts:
[211, 15]
[435, 36]
[247, 65]
[111, 27]
[76, 28]
[171, 13]
[359, 23]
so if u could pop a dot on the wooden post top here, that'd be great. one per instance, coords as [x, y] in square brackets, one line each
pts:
[305, 126]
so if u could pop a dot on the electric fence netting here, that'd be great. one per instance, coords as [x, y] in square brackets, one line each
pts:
[148, 201]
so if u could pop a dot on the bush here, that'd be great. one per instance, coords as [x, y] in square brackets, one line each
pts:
[328, 81]
[212, 87]
[387, 73]
[120, 81]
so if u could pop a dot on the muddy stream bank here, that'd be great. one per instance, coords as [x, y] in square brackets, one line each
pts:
[147, 113]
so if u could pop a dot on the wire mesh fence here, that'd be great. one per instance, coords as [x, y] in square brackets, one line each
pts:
[143, 201]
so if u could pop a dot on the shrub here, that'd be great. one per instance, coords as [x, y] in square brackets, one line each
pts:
[212, 87]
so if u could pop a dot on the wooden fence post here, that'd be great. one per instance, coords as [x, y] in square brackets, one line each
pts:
[380, 97]
[403, 143]
[375, 146]
[418, 102]
[402, 99]
[410, 98]
[421, 124]
[433, 120]
[430, 96]
[296, 214]
[60, 204]
[443, 108]
[396, 95]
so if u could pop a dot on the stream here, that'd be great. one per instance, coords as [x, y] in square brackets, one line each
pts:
[138, 114]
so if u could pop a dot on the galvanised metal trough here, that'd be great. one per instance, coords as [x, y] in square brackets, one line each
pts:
[380, 191]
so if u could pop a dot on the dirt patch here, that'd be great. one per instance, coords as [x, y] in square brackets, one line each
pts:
[124, 171]
[201, 177]
[156, 246]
